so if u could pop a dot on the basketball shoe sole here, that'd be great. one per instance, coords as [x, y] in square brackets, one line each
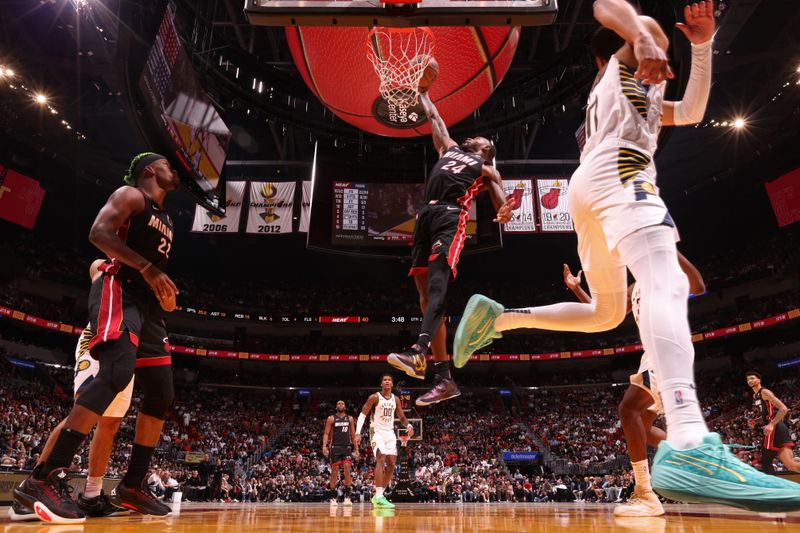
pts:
[476, 329]
[710, 473]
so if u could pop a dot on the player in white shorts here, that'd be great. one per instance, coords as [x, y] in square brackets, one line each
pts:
[641, 404]
[382, 435]
[93, 502]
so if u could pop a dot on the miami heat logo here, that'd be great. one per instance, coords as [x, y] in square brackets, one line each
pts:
[550, 194]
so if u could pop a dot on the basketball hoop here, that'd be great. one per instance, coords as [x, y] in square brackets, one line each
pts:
[404, 439]
[400, 56]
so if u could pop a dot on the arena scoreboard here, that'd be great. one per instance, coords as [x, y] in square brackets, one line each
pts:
[380, 214]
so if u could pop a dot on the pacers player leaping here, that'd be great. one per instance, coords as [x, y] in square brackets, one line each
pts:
[382, 436]
[462, 172]
[622, 222]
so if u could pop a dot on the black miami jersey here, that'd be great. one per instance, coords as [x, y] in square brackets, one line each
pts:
[455, 179]
[148, 233]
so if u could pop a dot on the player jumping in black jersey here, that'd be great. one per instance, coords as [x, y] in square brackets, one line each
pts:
[777, 438]
[126, 313]
[338, 448]
[462, 172]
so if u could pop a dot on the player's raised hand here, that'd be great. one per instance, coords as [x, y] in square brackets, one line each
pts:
[505, 211]
[653, 63]
[572, 281]
[699, 27]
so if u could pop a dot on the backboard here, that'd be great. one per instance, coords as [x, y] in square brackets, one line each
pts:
[422, 13]
[400, 430]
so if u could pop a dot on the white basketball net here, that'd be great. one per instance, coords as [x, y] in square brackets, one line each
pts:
[400, 56]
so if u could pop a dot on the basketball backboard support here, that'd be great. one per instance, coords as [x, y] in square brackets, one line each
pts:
[400, 430]
[424, 13]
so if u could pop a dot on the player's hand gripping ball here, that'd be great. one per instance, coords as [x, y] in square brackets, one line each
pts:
[429, 75]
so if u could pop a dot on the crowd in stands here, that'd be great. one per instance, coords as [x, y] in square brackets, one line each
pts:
[752, 259]
[257, 445]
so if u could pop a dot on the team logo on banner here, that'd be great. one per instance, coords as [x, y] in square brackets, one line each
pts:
[553, 208]
[207, 222]
[305, 211]
[271, 205]
[523, 217]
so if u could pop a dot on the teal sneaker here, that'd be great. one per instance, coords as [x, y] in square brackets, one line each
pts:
[710, 473]
[381, 502]
[476, 329]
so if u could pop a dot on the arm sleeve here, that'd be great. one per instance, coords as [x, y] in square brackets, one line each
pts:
[360, 424]
[692, 107]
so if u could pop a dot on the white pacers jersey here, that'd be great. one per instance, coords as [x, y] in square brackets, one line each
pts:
[622, 111]
[383, 415]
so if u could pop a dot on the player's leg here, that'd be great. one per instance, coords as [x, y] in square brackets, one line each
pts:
[484, 320]
[767, 459]
[632, 413]
[334, 482]
[654, 434]
[93, 502]
[348, 482]
[154, 377]
[788, 459]
[651, 256]
[378, 473]
[51, 440]
[412, 360]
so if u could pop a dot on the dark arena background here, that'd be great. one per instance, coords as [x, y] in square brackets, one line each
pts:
[293, 224]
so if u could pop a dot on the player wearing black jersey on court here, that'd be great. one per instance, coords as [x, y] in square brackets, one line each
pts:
[462, 172]
[338, 444]
[126, 315]
[777, 437]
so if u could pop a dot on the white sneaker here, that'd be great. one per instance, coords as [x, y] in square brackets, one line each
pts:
[347, 502]
[333, 502]
[644, 503]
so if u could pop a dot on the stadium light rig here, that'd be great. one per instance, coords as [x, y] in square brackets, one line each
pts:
[40, 98]
[739, 123]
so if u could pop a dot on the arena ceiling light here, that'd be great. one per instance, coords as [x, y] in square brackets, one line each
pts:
[40, 98]
[739, 123]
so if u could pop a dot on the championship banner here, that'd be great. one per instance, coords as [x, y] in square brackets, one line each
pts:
[270, 207]
[20, 198]
[206, 222]
[305, 208]
[553, 213]
[523, 217]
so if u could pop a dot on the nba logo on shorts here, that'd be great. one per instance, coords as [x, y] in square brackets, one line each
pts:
[678, 397]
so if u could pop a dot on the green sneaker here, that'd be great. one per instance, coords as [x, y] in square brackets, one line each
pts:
[710, 473]
[381, 502]
[476, 329]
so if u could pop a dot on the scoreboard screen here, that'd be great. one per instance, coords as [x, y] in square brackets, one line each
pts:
[380, 214]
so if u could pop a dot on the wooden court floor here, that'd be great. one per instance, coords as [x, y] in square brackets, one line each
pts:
[419, 518]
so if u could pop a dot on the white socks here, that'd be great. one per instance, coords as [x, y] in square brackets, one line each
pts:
[93, 487]
[641, 473]
[651, 256]
[378, 491]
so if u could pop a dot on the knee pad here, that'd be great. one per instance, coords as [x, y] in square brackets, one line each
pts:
[157, 389]
[117, 363]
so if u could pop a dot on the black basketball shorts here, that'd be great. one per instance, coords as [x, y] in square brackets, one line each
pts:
[441, 229]
[118, 307]
[780, 438]
[340, 454]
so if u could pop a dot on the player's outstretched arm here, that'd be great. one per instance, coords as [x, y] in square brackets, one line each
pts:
[494, 185]
[441, 138]
[699, 29]
[620, 17]
[573, 283]
[696, 283]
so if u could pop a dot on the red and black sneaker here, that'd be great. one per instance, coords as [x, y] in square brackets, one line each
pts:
[99, 506]
[138, 499]
[445, 389]
[50, 498]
